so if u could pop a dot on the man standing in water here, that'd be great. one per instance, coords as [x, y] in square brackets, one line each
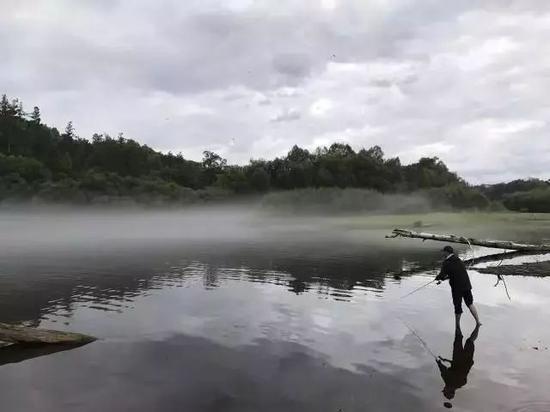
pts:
[453, 269]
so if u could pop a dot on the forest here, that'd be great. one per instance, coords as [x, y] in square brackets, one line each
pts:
[40, 164]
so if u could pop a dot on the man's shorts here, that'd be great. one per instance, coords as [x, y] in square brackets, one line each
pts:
[458, 295]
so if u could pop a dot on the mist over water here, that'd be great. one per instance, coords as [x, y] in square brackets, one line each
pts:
[49, 255]
[93, 227]
[237, 308]
[220, 231]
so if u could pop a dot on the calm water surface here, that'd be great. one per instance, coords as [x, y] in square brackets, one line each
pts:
[300, 319]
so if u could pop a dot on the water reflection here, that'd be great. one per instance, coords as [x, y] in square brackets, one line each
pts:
[19, 353]
[249, 328]
[455, 371]
[296, 323]
[188, 373]
[109, 278]
[297, 286]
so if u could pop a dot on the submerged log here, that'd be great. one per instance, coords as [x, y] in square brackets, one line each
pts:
[496, 244]
[29, 336]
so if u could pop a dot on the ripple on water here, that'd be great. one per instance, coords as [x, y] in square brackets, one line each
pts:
[534, 406]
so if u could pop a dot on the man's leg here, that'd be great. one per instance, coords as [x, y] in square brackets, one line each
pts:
[457, 302]
[469, 300]
[473, 310]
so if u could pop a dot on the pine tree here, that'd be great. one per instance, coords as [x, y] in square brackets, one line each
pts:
[35, 115]
[19, 112]
[69, 131]
[14, 107]
[4, 106]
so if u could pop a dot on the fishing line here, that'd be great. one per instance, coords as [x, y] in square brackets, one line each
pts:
[413, 331]
[422, 341]
[410, 328]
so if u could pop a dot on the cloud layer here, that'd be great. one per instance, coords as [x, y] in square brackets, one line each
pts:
[462, 80]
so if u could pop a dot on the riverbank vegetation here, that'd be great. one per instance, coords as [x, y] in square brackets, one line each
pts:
[40, 164]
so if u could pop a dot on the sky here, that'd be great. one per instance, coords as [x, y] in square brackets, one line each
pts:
[464, 80]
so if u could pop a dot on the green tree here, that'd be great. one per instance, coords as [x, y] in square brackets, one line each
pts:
[19, 111]
[324, 178]
[28, 168]
[233, 178]
[35, 115]
[213, 165]
[4, 106]
[212, 160]
[298, 155]
[70, 132]
[340, 150]
[259, 180]
[65, 163]
[15, 108]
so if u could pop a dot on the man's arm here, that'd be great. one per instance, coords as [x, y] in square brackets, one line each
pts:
[443, 370]
[442, 274]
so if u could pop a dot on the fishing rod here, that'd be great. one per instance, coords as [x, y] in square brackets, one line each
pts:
[417, 289]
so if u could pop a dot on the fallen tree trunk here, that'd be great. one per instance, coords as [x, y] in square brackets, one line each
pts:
[25, 335]
[496, 244]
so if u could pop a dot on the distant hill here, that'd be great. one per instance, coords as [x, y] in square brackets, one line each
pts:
[40, 164]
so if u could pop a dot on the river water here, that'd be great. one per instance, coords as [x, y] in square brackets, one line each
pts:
[201, 315]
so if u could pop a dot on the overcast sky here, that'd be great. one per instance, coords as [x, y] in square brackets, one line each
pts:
[467, 81]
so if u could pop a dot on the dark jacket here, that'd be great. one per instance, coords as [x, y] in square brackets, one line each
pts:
[455, 376]
[454, 270]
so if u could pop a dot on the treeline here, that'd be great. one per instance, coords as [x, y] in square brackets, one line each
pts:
[335, 200]
[530, 195]
[39, 163]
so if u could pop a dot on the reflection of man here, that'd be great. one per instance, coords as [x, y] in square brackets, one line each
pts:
[455, 375]
[297, 286]
[453, 269]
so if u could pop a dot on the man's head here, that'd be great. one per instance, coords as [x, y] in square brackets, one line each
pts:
[448, 250]
[449, 392]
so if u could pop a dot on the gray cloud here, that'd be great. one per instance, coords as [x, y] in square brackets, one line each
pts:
[463, 80]
[287, 115]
